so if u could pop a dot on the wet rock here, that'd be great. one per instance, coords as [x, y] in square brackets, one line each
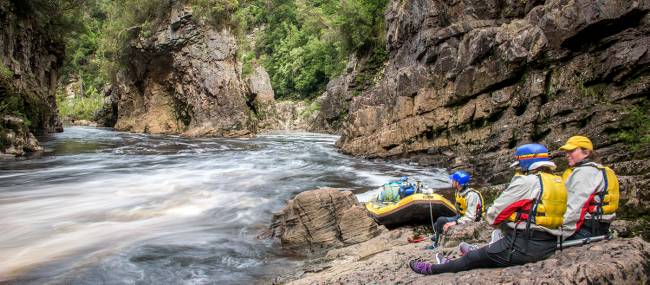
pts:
[477, 78]
[319, 220]
[15, 137]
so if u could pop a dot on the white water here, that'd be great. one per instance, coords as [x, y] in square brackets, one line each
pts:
[107, 207]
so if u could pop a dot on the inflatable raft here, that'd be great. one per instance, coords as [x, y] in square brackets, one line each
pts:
[413, 209]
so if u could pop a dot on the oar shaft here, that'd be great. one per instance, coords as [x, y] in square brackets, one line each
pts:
[581, 241]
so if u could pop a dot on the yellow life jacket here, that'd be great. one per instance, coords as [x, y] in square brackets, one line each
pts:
[609, 197]
[461, 204]
[549, 207]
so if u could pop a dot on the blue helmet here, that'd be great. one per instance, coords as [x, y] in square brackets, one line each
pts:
[461, 177]
[530, 153]
[404, 178]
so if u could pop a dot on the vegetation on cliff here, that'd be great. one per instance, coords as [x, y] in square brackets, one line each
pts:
[31, 30]
[305, 43]
[301, 43]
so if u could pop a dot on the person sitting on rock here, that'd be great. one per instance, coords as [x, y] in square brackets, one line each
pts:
[469, 205]
[529, 212]
[593, 191]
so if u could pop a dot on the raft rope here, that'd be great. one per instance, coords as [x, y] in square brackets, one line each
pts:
[433, 229]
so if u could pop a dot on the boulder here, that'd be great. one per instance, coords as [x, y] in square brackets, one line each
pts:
[259, 84]
[384, 260]
[15, 137]
[318, 220]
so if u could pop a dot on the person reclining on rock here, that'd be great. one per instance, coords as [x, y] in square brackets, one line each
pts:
[529, 212]
[593, 192]
[469, 206]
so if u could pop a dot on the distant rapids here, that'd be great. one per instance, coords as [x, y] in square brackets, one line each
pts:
[105, 207]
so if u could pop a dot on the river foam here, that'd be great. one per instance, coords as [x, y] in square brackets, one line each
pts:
[133, 208]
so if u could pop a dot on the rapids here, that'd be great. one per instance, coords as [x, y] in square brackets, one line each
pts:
[105, 207]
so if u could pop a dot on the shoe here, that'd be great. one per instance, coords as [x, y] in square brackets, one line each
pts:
[495, 236]
[441, 259]
[464, 247]
[420, 267]
[430, 247]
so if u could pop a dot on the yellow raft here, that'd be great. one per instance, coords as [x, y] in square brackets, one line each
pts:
[414, 209]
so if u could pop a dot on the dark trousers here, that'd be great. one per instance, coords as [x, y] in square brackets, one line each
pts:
[438, 227]
[513, 249]
[591, 228]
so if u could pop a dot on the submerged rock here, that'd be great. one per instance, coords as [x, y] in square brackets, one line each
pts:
[318, 220]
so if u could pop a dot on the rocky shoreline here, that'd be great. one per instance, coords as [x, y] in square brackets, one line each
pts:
[383, 257]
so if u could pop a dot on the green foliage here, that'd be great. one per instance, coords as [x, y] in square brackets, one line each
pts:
[311, 109]
[301, 43]
[28, 107]
[96, 48]
[593, 90]
[307, 42]
[360, 23]
[82, 44]
[79, 108]
[5, 72]
[124, 21]
[216, 12]
[57, 18]
[247, 63]
[373, 67]
[636, 127]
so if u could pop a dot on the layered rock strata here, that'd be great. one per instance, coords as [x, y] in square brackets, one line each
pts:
[318, 220]
[30, 58]
[183, 78]
[384, 260]
[467, 81]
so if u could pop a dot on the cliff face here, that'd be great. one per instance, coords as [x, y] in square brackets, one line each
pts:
[29, 61]
[183, 78]
[467, 81]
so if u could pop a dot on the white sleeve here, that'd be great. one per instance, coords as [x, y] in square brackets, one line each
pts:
[470, 214]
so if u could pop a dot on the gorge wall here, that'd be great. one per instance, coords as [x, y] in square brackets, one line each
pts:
[181, 78]
[30, 58]
[467, 81]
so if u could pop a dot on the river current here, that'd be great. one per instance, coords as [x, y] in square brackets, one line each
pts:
[106, 207]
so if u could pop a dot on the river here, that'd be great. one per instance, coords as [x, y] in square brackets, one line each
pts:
[106, 207]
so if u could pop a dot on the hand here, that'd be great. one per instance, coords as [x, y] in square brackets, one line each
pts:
[447, 226]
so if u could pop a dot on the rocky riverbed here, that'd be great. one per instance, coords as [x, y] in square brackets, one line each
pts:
[383, 259]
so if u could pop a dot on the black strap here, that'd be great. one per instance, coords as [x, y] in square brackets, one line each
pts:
[533, 210]
[479, 215]
[512, 244]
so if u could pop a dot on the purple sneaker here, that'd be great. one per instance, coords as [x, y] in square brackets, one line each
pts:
[420, 267]
[441, 259]
[466, 247]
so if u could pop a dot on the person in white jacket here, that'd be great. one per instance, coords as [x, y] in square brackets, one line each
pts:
[593, 192]
[529, 211]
